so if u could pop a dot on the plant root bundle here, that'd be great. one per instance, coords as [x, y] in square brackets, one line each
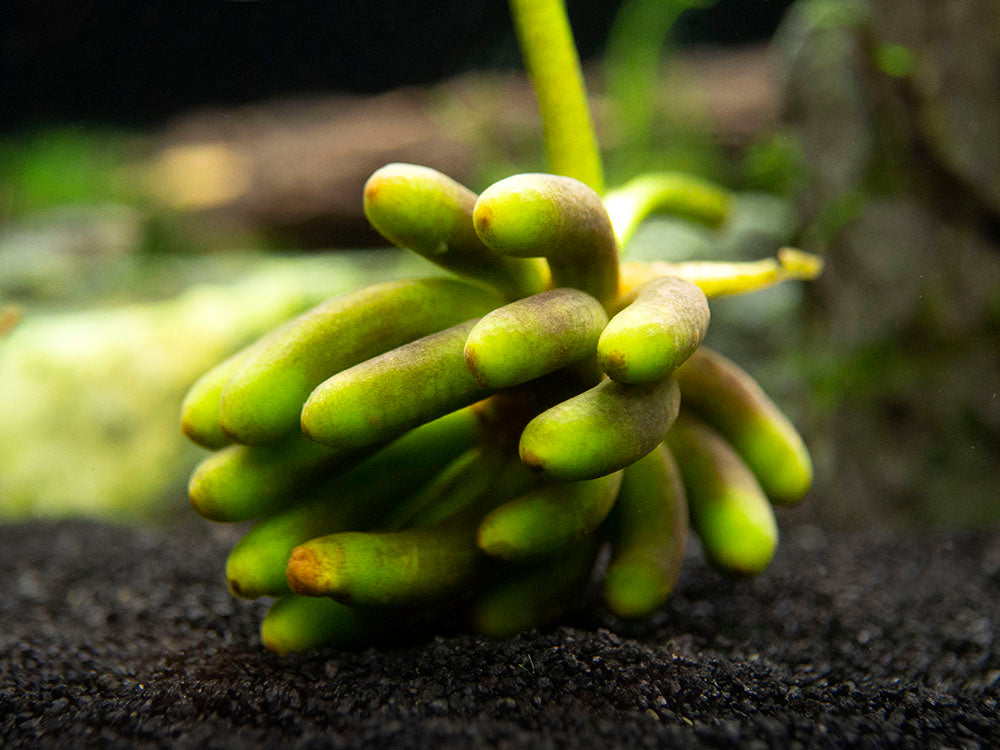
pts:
[469, 444]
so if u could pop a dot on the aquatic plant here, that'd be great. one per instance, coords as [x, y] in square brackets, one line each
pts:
[469, 443]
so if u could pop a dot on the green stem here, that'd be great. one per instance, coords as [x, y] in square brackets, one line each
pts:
[554, 67]
[665, 193]
[632, 65]
[717, 279]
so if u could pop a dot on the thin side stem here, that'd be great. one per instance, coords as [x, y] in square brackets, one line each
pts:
[554, 67]
[669, 193]
[632, 66]
[717, 279]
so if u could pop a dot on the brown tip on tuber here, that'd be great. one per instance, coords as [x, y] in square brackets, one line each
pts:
[303, 571]
[533, 462]
[483, 219]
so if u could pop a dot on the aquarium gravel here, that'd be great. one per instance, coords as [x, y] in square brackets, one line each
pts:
[121, 637]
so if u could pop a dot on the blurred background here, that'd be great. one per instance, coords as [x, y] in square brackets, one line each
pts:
[176, 179]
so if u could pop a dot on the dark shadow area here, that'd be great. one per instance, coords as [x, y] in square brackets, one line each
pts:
[123, 62]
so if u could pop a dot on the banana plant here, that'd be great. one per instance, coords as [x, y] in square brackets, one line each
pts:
[472, 442]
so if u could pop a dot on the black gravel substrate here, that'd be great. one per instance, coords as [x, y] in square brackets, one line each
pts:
[123, 637]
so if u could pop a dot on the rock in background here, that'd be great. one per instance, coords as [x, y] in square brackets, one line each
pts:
[895, 105]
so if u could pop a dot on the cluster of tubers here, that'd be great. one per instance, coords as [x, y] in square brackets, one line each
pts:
[470, 443]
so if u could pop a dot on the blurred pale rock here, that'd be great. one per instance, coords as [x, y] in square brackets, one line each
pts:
[90, 400]
[65, 253]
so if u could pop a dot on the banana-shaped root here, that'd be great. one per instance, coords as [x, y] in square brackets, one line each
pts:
[731, 401]
[537, 596]
[295, 624]
[533, 337]
[650, 534]
[601, 430]
[200, 408]
[383, 397]
[530, 215]
[353, 500]
[729, 510]
[262, 401]
[422, 210]
[655, 332]
[548, 520]
[392, 568]
[241, 482]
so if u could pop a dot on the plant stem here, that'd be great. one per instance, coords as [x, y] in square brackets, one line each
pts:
[554, 67]
[632, 64]
[717, 279]
[670, 193]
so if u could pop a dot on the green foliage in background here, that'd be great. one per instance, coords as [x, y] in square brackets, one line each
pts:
[63, 166]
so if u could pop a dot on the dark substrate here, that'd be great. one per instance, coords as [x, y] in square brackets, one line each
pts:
[123, 637]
